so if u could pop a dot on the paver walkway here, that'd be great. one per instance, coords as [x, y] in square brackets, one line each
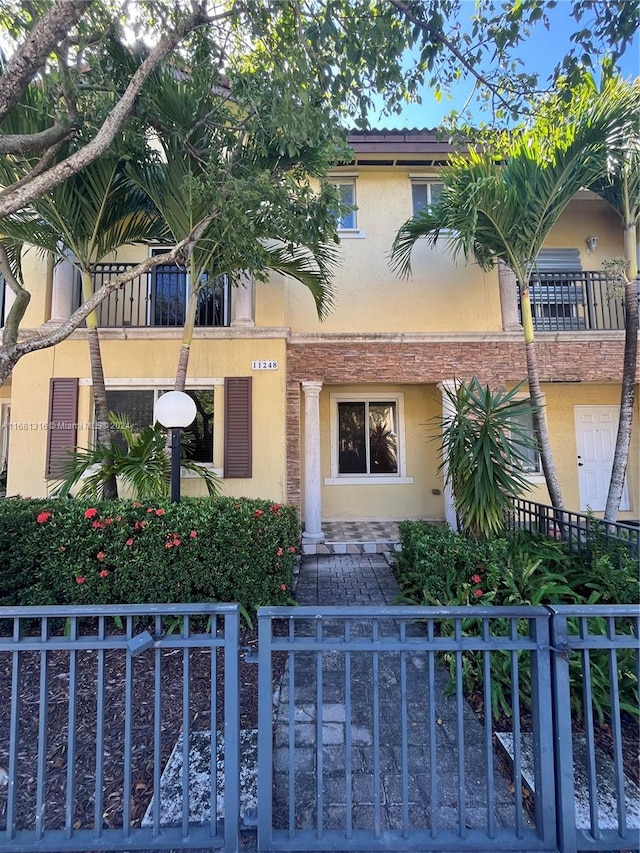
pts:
[408, 772]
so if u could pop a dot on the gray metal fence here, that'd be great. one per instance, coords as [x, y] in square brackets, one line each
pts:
[581, 532]
[374, 748]
[598, 654]
[100, 699]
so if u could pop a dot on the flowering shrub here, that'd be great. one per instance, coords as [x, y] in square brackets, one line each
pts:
[203, 549]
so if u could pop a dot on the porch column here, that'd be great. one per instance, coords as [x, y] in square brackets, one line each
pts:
[448, 412]
[62, 292]
[242, 302]
[312, 483]
[508, 298]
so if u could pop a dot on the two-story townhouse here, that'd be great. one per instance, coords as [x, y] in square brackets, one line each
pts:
[339, 416]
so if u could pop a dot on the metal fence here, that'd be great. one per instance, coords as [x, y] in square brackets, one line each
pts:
[372, 747]
[577, 300]
[581, 532]
[100, 696]
[599, 654]
[159, 298]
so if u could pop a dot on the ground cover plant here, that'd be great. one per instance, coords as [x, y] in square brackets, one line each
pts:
[124, 552]
[438, 567]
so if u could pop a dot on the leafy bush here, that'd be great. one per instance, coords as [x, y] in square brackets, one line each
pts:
[439, 567]
[119, 552]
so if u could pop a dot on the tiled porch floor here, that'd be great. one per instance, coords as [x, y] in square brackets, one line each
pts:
[355, 537]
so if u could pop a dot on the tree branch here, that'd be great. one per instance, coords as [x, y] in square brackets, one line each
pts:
[27, 143]
[440, 38]
[16, 198]
[20, 303]
[49, 31]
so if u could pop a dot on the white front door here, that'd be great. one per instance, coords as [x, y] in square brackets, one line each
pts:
[596, 430]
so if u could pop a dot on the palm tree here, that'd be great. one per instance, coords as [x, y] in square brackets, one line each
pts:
[82, 220]
[503, 209]
[621, 188]
[210, 161]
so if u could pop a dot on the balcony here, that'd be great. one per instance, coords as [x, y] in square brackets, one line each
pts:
[158, 298]
[575, 302]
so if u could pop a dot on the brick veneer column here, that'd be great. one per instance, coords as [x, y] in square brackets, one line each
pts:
[312, 483]
[447, 412]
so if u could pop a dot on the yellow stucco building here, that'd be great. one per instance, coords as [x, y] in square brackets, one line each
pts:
[338, 416]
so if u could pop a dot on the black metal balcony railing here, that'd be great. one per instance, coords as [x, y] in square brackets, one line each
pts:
[159, 298]
[575, 302]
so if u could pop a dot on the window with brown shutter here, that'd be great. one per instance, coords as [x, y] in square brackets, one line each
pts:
[63, 416]
[238, 435]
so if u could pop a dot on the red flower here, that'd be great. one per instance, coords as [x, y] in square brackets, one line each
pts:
[140, 525]
[279, 552]
[160, 511]
[176, 542]
[275, 508]
[193, 534]
[44, 516]
[283, 586]
[90, 513]
[476, 579]
[168, 544]
[97, 524]
[258, 513]
[101, 555]
[292, 550]
[108, 521]
[104, 573]
[477, 593]
[129, 542]
[151, 509]
[80, 580]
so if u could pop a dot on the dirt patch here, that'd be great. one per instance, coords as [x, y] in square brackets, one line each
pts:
[127, 747]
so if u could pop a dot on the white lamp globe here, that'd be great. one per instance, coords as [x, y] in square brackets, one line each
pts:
[175, 409]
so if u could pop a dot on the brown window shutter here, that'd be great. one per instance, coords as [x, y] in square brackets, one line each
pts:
[63, 415]
[238, 435]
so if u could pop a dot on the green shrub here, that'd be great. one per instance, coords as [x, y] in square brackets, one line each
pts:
[439, 567]
[203, 549]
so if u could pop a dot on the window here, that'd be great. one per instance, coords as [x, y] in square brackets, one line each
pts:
[138, 405]
[424, 194]
[531, 463]
[367, 443]
[347, 192]
[168, 297]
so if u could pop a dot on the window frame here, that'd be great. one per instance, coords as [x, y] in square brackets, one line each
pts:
[347, 232]
[427, 182]
[214, 385]
[337, 479]
[533, 476]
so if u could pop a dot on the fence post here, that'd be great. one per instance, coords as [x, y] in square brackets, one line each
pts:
[543, 746]
[562, 734]
[231, 730]
[265, 729]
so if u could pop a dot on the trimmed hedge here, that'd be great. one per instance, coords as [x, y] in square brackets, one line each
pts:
[127, 552]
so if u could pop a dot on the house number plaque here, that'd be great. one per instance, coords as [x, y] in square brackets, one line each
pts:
[262, 364]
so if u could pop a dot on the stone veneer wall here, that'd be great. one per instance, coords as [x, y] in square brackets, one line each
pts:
[494, 362]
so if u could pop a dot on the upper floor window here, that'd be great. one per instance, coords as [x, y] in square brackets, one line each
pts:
[425, 193]
[347, 192]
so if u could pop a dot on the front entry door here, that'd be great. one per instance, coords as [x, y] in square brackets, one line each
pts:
[596, 430]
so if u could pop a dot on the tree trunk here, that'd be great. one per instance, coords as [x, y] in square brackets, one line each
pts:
[187, 338]
[628, 389]
[103, 429]
[535, 392]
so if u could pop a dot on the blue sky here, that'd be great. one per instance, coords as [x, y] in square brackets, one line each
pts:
[540, 52]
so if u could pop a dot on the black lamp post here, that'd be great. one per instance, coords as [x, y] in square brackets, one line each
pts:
[175, 410]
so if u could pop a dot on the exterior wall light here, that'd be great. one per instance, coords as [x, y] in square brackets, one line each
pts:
[175, 410]
[592, 244]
